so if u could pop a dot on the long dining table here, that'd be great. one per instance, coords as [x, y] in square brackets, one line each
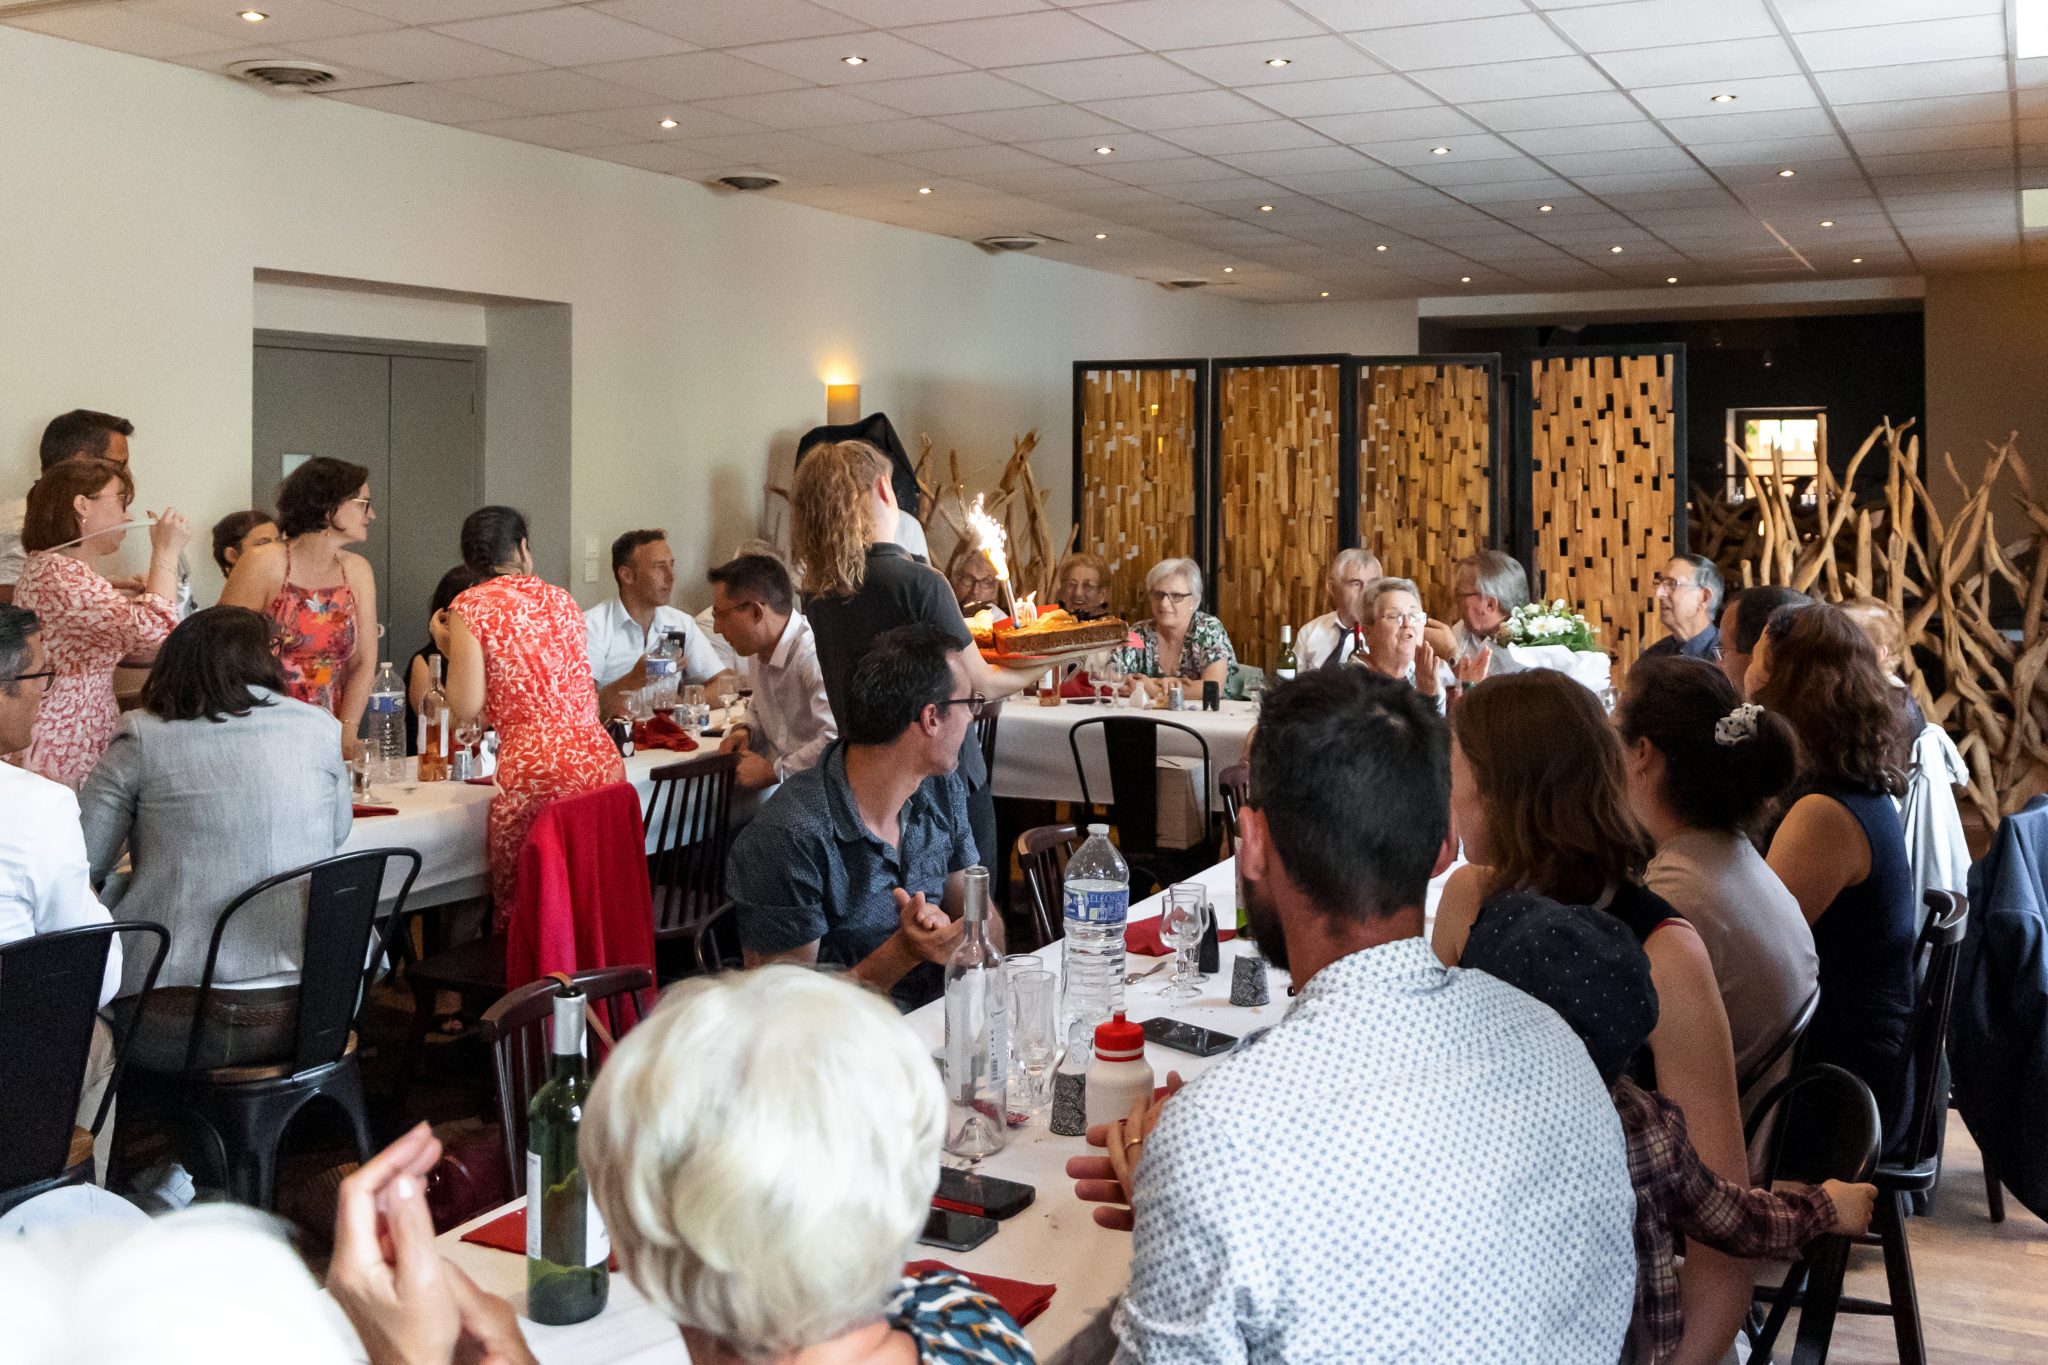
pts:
[1034, 759]
[1054, 1240]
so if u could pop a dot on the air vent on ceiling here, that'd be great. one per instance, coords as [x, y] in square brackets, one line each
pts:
[285, 75]
[750, 182]
[1011, 241]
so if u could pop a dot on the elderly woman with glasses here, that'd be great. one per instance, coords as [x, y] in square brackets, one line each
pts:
[1394, 622]
[1181, 640]
[973, 579]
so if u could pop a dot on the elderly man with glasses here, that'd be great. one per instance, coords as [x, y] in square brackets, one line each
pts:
[1688, 603]
[1331, 639]
[857, 862]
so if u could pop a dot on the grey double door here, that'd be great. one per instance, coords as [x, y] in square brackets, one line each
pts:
[412, 416]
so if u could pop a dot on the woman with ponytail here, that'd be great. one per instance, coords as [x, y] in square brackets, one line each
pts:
[1703, 768]
[515, 646]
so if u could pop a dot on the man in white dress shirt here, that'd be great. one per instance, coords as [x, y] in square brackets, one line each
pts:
[1418, 1163]
[1331, 639]
[619, 633]
[789, 722]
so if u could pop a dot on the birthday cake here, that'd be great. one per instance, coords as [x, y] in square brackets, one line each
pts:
[1053, 631]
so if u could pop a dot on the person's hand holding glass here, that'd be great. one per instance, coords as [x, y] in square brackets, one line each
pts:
[1181, 926]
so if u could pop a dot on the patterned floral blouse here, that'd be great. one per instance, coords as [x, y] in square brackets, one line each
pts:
[1206, 642]
[319, 638]
[953, 1323]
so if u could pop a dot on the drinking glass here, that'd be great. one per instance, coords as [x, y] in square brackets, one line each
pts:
[1109, 680]
[1033, 1040]
[468, 735]
[359, 771]
[728, 688]
[1181, 925]
[693, 702]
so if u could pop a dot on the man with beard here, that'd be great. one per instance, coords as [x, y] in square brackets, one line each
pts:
[1417, 1162]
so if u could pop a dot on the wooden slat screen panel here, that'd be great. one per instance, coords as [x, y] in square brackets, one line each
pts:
[1279, 450]
[1604, 494]
[1139, 432]
[1425, 470]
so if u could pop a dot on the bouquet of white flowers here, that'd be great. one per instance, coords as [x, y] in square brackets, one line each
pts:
[1557, 624]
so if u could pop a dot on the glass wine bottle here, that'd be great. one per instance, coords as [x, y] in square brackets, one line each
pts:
[435, 725]
[1285, 668]
[977, 1033]
[568, 1251]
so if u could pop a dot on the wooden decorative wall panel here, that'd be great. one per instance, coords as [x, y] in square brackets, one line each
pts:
[1605, 487]
[1425, 469]
[1137, 438]
[1280, 444]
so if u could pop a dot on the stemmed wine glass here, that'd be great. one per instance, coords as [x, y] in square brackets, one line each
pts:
[728, 689]
[1181, 925]
[468, 735]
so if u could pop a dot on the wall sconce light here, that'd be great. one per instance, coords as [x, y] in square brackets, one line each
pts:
[842, 404]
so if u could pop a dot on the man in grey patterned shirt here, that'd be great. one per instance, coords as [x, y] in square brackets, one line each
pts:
[1419, 1162]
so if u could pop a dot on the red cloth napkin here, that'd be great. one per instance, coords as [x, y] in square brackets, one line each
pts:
[1142, 937]
[583, 900]
[508, 1233]
[1019, 1298]
[362, 811]
[480, 782]
[662, 733]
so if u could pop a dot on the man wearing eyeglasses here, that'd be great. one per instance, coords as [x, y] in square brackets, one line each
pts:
[1688, 603]
[76, 435]
[856, 863]
[1331, 639]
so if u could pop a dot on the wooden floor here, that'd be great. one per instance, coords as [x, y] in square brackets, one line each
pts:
[1983, 1285]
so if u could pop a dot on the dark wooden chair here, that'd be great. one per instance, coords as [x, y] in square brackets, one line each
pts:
[48, 1005]
[689, 829]
[518, 1031]
[1131, 745]
[985, 733]
[1234, 785]
[1759, 1070]
[1042, 853]
[242, 1111]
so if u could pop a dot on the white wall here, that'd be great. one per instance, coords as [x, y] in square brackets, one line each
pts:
[141, 199]
[358, 313]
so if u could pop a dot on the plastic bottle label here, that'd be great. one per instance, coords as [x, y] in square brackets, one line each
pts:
[658, 667]
[384, 703]
[1105, 909]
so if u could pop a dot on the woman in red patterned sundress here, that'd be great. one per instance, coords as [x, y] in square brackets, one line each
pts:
[515, 647]
[76, 513]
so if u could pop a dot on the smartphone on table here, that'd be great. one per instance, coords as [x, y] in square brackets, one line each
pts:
[950, 1231]
[986, 1196]
[1190, 1038]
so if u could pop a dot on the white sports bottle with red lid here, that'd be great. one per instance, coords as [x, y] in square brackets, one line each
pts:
[1119, 1076]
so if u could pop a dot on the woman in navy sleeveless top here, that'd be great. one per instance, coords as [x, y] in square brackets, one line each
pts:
[1840, 849]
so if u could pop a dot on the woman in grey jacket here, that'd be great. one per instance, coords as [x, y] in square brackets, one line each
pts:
[217, 782]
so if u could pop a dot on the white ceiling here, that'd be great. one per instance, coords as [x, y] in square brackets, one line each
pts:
[1910, 124]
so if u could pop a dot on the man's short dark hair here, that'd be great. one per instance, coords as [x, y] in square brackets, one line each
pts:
[1753, 609]
[81, 431]
[759, 578]
[904, 671]
[623, 547]
[230, 530]
[17, 624]
[1352, 771]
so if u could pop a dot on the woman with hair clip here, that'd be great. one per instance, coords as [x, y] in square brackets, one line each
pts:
[1539, 798]
[515, 646]
[1840, 848]
[1704, 767]
[320, 591]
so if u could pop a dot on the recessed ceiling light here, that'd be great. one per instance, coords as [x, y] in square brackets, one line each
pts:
[1855, 260]
[1614, 250]
[1104, 151]
[253, 16]
[1671, 279]
[1827, 222]
[1545, 208]
[668, 123]
[1464, 279]
[854, 61]
[924, 189]
[1439, 151]
[1787, 173]
[1265, 208]
[1326, 293]
[1279, 61]
[1101, 236]
[1381, 247]
[1724, 99]
[1230, 270]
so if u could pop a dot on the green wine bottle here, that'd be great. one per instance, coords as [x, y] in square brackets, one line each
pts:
[1284, 668]
[568, 1251]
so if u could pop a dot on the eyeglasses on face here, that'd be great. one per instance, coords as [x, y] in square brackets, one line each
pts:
[45, 676]
[1666, 583]
[975, 704]
[1171, 599]
[1417, 617]
[367, 504]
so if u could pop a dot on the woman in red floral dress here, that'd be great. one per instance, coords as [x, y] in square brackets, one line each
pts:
[76, 513]
[515, 647]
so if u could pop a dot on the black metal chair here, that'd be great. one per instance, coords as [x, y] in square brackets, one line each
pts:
[689, 827]
[1760, 1070]
[49, 999]
[985, 733]
[518, 1030]
[1234, 784]
[1131, 744]
[241, 1111]
[1842, 1133]
[1042, 853]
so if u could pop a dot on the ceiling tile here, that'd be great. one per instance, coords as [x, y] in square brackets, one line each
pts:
[549, 92]
[1762, 94]
[1472, 148]
[1892, 44]
[1940, 137]
[1734, 127]
[1517, 195]
[290, 21]
[121, 30]
[1924, 113]
[442, 11]
[694, 75]
[1170, 171]
[1553, 111]
[644, 121]
[1643, 182]
[1036, 122]
[1018, 39]
[821, 60]
[1267, 135]
[1477, 172]
[1106, 78]
[1796, 152]
[719, 23]
[1575, 164]
[1917, 80]
[1300, 161]
[1163, 24]
[1042, 181]
[425, 102]
[547, 130]
[666, 158]
[1240, 65]
[964, 92]
[1190, 110]
[1664, 23]
[1441, 123]
[801, 109]
[1590, 138]
[1737, 59]
[565, 36]
[1516, 80]
[1129, 147]
[1324, 184]
[1349, 95]
[893, 13]
[1233, 187]
[970, 161]
[415, 54]
[1469, 43]
[761, 148]
[1950, 161]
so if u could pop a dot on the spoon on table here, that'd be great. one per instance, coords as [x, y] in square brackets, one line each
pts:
[1135, 977]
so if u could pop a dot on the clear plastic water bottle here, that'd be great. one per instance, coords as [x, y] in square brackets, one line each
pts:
[384, 735]
[664, 669]
[1098, 898]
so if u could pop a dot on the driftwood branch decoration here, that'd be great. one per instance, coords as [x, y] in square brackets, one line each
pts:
[1016, 502]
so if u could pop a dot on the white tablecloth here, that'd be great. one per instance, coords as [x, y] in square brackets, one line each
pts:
[1035, 762]
[1056, 1239]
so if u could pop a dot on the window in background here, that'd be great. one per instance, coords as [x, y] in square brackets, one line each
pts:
[1788, 442]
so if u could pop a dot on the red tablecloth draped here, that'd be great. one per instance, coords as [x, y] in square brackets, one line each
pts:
[584, 900]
